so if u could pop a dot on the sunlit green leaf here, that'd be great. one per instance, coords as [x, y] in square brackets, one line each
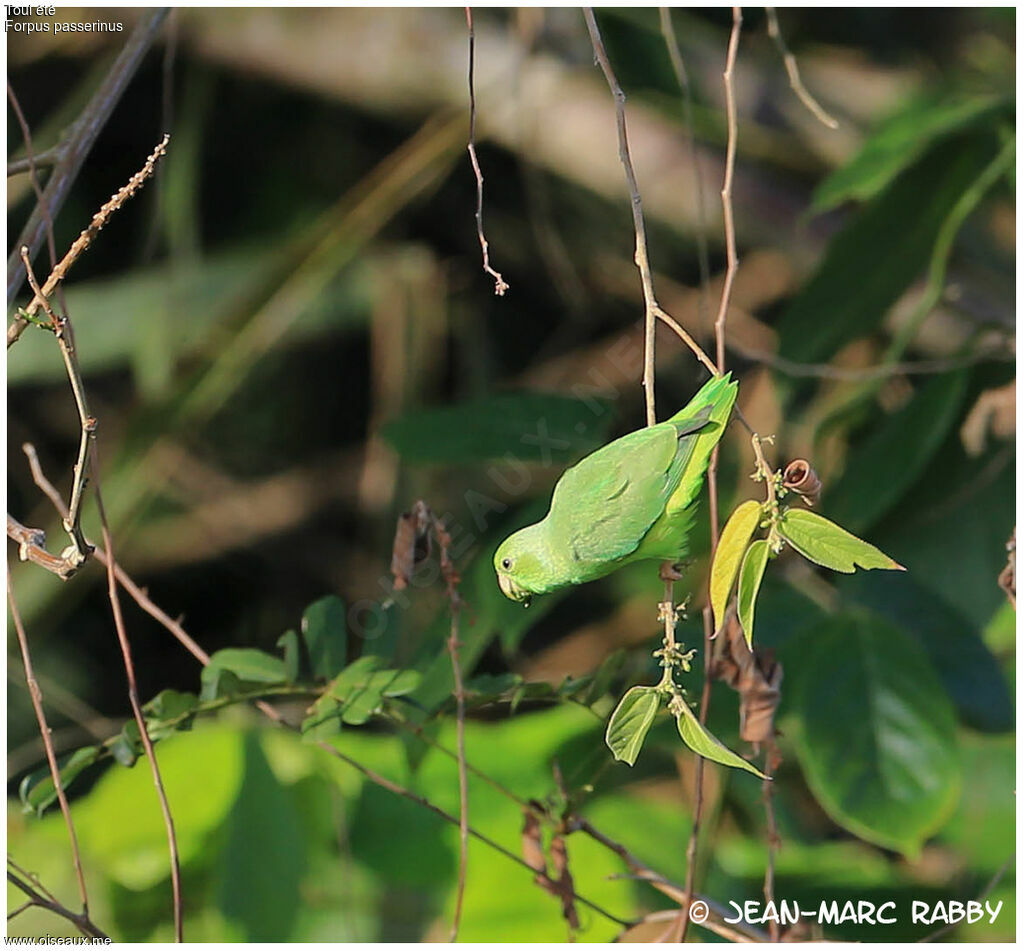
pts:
[697, 736]
[729, 555]
[825, 543]
[750, 583]
[628, 725]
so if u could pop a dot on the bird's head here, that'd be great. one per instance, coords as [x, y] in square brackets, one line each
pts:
[519, 566]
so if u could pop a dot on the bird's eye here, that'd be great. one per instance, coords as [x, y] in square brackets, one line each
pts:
[506, 563]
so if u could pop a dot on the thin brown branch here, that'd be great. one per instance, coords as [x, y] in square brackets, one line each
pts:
[77, 146]
[640, 228]
[795, 82]
[712, 475]
[66, 341]
[133, 698]
[398, 790]
[643, 872]
[44, 731]
[455, 604]
[652, 310]
[30, 158]
[32, 547]
[730, 167]
[57, 275]
[20, 879]
[30, 162]
[682, 78]
[500, 286]
[982, 895]
[767, 792]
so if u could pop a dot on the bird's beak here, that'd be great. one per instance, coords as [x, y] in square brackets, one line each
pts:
[512, 591]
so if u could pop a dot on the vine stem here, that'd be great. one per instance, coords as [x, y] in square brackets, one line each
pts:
[730, 274]
[51, 757]
[140, 720]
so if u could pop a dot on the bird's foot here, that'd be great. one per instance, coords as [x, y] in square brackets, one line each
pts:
[670, 571]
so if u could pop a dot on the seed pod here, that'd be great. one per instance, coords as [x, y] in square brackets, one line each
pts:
[799, 477]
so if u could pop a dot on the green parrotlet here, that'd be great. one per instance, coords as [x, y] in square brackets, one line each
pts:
[633, 499]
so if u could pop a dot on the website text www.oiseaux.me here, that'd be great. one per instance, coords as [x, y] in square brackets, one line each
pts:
[63, 940]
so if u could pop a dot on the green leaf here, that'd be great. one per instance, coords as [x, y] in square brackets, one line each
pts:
[750, 583]
[218, 682]
[825, 543]
[171, 704]
[870, 263]
[897, 143]
[357, 693]
[486, 688]
[700, 739]
[168, 711]
[126, 747]
[965, 665]
[601, 682]
[628, 725]
[289, 644]
[877, 732]
[264, 855]
[885, 465]
[324, 627]
[37, 790]
[250, 665]
[729, 555]
[529, 426]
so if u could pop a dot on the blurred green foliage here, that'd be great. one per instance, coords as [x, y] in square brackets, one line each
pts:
[288, 339]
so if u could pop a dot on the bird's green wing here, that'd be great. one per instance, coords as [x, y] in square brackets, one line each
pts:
[604, 505]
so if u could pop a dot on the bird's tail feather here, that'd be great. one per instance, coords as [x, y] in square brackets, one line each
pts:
[719, 393]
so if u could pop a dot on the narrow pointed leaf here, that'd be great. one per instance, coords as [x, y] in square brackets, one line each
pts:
[825, 543]
[37, 790]
[630, 722]
[697, 736]
[729, 555]
[750, 583]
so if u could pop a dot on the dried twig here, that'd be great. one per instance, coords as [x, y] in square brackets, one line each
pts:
[30, 158]
[982, 895]
[44, 731]
[20, 879]
[74, 150]
[712, 475]
[18, 325]
[411, 547]
[767, 792]
[43, 159]
[66, 340]
[32, 547]
[643, 872]
[730, 166]
[499, 282]
[133, 699]
[796, 84]
[679, 68]
[652, 310]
